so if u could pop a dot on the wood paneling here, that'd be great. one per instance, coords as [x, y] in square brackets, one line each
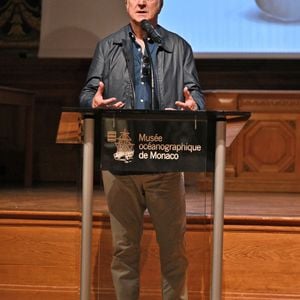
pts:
[261, 262]
[266, 155]
[17, 128]
[55, 83]
[40, 236]
[39, 259]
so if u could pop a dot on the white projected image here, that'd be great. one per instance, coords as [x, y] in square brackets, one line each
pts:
[236, 28]
[285, 10]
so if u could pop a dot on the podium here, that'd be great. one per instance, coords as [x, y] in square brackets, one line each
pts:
[159, 141]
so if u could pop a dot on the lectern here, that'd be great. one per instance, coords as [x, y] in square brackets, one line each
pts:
[162, 141]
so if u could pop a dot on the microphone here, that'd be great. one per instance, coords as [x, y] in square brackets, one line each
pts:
[151, 31]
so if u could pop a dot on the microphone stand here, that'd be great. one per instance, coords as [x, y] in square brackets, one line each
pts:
[152, 74]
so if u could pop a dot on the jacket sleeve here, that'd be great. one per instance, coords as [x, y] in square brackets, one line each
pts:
[191, 79]
[95, 75]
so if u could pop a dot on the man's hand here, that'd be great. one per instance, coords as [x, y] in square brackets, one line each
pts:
[189, 102]
[110, 103]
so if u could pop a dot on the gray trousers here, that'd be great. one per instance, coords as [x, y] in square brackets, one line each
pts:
[128, 197]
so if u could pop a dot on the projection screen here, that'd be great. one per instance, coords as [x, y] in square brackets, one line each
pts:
[214, 28]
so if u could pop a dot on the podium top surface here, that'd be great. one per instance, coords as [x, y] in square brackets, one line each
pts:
[228, 116]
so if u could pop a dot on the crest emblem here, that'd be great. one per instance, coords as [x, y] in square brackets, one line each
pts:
[125, 150]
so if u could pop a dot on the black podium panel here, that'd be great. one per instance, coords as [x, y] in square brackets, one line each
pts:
[157, 141]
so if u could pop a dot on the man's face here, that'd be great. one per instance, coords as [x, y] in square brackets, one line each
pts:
[139, 10]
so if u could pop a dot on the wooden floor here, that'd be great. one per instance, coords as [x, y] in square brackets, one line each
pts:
[239, 206]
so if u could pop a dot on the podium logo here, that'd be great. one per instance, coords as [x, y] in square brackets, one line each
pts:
[111, 136]
[125, 150]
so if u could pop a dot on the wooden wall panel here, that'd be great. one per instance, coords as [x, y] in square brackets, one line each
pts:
[16, 133]
[266, 154]
[198, 250]
[261, 262]
[39, 259]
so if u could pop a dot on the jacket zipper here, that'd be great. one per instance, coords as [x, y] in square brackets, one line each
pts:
[130, 78]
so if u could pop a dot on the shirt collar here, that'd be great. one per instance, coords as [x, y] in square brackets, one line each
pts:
[167, 43]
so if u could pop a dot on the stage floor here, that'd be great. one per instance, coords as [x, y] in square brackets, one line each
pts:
[238, 205]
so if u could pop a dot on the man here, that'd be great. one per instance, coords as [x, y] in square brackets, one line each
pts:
[130, 70]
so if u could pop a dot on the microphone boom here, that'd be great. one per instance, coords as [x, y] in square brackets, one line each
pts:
[151, 31]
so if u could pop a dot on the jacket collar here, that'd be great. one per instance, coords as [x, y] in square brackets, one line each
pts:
[123, 36]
